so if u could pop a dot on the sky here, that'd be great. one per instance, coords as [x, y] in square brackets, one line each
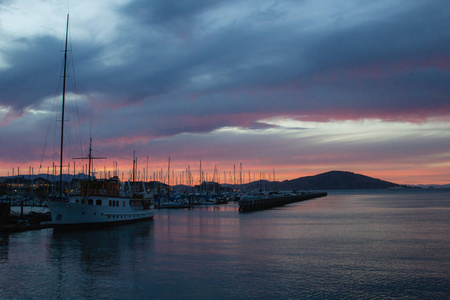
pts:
[284, 88]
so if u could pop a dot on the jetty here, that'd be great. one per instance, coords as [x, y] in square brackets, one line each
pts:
[30, 220]
[250, 204]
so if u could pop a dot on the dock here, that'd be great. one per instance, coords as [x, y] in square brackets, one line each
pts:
[274, 201]
[25, 221]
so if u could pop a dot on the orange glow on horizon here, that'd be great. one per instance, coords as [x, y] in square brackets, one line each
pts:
[226, 174]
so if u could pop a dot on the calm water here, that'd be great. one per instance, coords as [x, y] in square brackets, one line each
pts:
[352, 245]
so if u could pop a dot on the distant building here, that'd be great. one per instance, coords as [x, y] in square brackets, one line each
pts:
[24, 187]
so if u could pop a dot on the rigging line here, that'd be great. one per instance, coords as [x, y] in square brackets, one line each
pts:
[111, 155]
[77, 112]
[61, 89]
[79, 124]
[71, 110]
[72, 62]
[74, 82]
[47, 134]
[90, 129]
[52, 115]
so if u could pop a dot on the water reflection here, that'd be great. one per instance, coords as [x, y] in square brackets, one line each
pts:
[344, 246]
[86, 260]
[4, 248]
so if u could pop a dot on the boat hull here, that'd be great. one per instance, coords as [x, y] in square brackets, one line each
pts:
[100, 212]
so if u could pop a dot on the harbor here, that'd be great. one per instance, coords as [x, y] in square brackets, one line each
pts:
[375, 244]
[18, 218]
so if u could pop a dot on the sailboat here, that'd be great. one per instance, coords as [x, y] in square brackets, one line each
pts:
[98, 202]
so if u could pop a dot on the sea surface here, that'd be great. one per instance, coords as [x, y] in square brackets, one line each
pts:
[390, 244]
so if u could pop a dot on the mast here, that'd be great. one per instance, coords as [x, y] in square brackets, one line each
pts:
[90, 158]
[240, 175]
[168, 175]
[276, 185]
[201, 182]
[62, 117]
[134, 163]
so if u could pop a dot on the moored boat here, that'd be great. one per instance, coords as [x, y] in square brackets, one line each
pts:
[97, 202]
[100, 203]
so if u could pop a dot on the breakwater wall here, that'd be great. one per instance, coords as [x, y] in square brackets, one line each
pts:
[269, 202]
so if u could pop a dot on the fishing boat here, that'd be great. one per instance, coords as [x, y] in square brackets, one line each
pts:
[97, 202]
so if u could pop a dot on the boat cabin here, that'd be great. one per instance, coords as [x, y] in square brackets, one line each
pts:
[104, 188]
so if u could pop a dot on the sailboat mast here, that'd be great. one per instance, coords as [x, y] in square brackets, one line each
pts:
[134, 163]
[90, 159]
[62, 117]
[168, 175]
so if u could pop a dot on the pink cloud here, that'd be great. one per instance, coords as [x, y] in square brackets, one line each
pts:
[11, 116]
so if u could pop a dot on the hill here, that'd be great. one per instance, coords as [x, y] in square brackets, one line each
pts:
[335, 180]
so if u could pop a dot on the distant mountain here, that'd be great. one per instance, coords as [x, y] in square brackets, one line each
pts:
[333, 180]
[53, 178]
[336, 180]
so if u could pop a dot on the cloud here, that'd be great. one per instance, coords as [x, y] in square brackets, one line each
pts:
[163, 75]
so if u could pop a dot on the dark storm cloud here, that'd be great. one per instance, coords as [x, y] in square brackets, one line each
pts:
[406, 34]
[33, 71]
[174, 73]
[242, 59]
[406, 58]
[272, 65]
[165, 12]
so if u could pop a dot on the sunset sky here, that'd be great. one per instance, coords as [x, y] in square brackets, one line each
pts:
[295, 87]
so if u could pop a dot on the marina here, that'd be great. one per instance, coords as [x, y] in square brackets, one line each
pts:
[366, 244]
[76, 213]
[286, 149]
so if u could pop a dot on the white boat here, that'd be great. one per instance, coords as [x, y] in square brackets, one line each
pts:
[99, 202]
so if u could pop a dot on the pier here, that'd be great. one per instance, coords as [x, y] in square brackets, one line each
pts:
[16, 222]
[274, 201]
